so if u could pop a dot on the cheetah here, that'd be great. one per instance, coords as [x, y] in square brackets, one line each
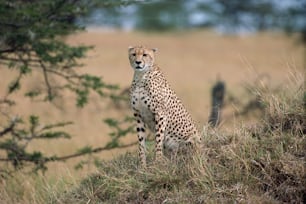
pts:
[157, 107]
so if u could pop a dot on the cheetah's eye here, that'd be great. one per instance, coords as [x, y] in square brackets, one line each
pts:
[144, 55]
[134, 54]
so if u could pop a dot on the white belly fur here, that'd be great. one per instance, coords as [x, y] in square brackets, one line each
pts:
[145, 112]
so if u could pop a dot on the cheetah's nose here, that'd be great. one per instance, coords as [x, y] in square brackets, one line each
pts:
[137, 62]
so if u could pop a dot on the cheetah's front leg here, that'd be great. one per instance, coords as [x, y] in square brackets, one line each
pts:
[141, 132]
[160, 126]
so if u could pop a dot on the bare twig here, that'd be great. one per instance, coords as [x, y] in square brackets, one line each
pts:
[8, 129]
[67, 77]
[49, 88]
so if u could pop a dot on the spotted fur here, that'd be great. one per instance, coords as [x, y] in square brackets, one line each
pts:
[157, 107]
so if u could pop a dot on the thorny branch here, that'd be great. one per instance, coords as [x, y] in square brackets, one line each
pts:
[67, 157]
[8, 129]
[15, 140]
[30, 43]
[49, 89]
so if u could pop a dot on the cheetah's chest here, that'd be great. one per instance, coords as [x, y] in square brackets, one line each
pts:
[141, 102]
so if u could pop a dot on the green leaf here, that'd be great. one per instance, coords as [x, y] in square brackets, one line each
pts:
[14, 86]
[54, 135]
[80, 165]
[82, 97]
[8, 144]
[126, 131]
[112, 144]
[34, 120]
[24, 69]
[32, 94]
[35, 156]
[85, 150]
[111, 122]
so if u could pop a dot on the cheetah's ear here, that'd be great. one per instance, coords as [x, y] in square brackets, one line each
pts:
[154, 49]
[130, 47]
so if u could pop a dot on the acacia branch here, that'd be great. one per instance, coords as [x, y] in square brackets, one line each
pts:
[67, 77]
[8, 129]
[67, 157]
[49, 89]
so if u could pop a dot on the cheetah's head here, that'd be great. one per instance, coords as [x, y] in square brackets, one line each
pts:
[141, 58]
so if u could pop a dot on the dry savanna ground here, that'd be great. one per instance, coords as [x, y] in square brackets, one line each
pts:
[192, 62]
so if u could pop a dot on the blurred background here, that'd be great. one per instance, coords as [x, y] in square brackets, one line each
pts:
[228, 17]
[245, 44]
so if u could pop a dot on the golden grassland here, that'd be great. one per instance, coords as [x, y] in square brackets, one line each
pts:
[191, 61]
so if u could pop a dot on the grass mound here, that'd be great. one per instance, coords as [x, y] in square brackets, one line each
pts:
[265, 164]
